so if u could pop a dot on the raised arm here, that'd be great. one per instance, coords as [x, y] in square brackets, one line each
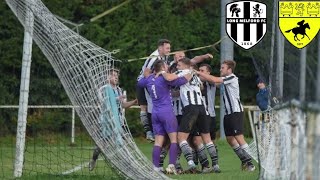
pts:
[199, 59]
[169, 76]
[178, 82]
[210, 78]
[173, 76]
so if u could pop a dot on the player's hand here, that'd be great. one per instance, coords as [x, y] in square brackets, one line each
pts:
[121, 98]
[135, 101]
[147, 72]
[209, 55]
[196, 72]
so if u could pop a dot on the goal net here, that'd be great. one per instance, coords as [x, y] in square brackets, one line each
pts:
[83, 68]
[286, 135]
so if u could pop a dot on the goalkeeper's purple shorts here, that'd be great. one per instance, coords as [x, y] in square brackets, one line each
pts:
[164, 123]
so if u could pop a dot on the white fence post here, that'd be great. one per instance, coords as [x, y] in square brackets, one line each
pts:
[73, 124]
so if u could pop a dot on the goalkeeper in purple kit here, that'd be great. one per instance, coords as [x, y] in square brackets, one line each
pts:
[163, 118]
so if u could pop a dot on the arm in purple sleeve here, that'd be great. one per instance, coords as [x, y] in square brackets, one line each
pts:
[143, 82]
[178, 82]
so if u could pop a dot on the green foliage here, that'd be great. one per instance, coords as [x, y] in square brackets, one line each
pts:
[134, 29]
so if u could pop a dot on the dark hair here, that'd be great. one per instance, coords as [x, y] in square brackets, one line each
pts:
[230, 63]
[261, 80]
[157, 65]
[161, 42]
[185, 61]
[114, 70]
[194, 66]
[207, 66]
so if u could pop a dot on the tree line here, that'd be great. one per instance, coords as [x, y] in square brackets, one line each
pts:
[134, 29]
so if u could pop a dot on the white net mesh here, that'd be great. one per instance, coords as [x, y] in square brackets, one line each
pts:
[286, 136]
[287, 146]
[83, 69]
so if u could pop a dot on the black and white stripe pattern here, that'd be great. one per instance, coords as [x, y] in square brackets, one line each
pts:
[190, 92]
[231, 94]
[149, 101]
[150, 61]
[177, 105]
[246, 27]
[208, 94]
[119, 92]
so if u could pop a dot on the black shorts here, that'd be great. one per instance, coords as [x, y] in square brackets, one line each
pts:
[141, 96]
[179, 118]
[233, 124]
[149, 115]
[194, 116]
[213, 127]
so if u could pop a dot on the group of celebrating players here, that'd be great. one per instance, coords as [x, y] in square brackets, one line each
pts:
[176, 102]
[179, 98]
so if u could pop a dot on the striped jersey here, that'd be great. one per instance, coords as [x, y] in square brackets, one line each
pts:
[149, 100]
[208, 94]
[231, 94]
[190, 92]
[150, 61]
[176, 103]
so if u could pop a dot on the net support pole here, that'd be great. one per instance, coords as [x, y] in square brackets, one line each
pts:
[24, 94]
[303, 61]
[274, 21]
[318, 73]
[226, 52]
[311, 132]
[280, 65]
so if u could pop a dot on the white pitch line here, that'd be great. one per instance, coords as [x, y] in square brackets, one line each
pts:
[77, 168]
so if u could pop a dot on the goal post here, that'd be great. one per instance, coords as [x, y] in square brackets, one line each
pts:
[24, 93]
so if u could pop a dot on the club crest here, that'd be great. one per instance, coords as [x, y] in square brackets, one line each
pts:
[299, 21]
[246, 22]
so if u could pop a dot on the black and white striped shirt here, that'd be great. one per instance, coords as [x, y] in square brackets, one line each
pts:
[208, 94]
[176, 102]
[150, 61]
[190, 92]
[231, 94]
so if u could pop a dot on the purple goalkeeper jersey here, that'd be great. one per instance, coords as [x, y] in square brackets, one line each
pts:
[159, 90]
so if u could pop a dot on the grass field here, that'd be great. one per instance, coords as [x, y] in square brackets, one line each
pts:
[62, 157]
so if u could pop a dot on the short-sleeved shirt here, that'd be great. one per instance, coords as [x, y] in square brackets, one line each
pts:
[190, 93]
[231, 94]
[208, 94]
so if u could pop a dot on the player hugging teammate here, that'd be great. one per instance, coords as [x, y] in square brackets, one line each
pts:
[192, 102]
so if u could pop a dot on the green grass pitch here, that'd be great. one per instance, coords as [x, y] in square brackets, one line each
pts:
[75, 158]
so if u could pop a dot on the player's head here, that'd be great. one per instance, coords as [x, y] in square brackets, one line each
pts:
[227, 67]
[194, 67]
[184, 63]
[261, 83]
[205, 68]
[113, 77]
[178, 55]
[164, 47]
[160, 65]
